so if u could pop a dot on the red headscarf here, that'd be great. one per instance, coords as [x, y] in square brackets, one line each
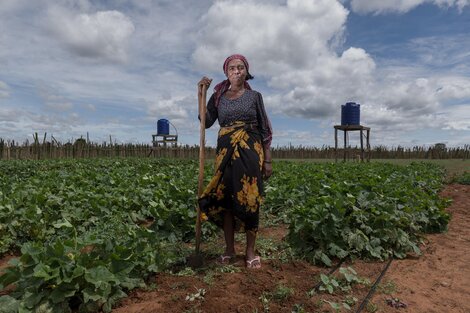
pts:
[223, 86]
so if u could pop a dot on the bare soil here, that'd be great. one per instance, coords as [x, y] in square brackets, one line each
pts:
[437, 281]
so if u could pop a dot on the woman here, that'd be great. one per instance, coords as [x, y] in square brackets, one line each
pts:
[233, 196]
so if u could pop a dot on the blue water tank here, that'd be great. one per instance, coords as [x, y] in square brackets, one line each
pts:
[351, 114]
[163, 127]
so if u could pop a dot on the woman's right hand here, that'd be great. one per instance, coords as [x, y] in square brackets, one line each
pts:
[205, 81]
[202, 87]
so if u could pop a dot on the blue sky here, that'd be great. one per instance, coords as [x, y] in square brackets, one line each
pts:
[72, 67]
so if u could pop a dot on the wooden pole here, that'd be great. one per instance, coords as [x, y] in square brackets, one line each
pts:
[202, 94]
[336, 145]
[362, 145]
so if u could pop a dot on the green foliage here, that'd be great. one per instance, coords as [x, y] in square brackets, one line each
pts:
[387, 288]
[346, 279]
[345, 304]
[90, 230]
[187, 271]
[359, 210]
[39, 194]
[338, 306]
[91, 274]
[265, 299]
[228, 268]
[199, 295]
[463, 178]
[371, 307]
[329, 284]
[298, 308]
[281, 293]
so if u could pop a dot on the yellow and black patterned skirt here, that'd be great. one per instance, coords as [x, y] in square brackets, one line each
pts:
[237, 184]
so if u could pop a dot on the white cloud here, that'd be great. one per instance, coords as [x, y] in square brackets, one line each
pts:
[460, 4]
[4, 90]
[452, 87]
[55, 102]
[139, 60]
[19, 123]
[59, 106]
[400, 104]
[290, 36]
[409, 98]
[296, 137]
[401, 6]
[291, 48]
[90, 107]
[457, 117]
[442, 52]
[103, 34]
[383, 119]
[9, 114]
[11, 5]
[174, 108]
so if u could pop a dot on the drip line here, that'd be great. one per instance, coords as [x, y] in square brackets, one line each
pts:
[372, 290]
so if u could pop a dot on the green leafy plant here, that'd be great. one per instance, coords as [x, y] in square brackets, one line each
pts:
[298, 308]
[351, 278]
[329, 284]
[463, 178]
[91, 230]
[281, 293]
[265, 299]
[343, 282]
[338, 306]
[363, 210]
[346, 304]
[187, 271]
[371, 307]
[199, 295]
[88, 231]
[228, 268]
[388, 287]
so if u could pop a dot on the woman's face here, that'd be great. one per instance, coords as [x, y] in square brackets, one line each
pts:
[236, 72]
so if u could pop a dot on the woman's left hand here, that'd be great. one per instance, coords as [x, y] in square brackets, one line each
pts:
[267, 170]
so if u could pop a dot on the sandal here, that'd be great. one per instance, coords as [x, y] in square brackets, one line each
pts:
[224, 259]
[256, 260]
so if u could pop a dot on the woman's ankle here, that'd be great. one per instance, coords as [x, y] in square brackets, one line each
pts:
[250, 254]
[229, 252]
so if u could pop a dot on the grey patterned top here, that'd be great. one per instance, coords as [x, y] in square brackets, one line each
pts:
[248, 108]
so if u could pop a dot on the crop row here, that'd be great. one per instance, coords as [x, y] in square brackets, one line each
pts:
[88, 231]
[373, 211]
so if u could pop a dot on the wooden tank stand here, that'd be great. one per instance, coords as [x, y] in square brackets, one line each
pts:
[345, 129]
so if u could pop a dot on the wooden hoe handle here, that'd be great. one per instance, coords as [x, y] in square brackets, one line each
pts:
[202, 95]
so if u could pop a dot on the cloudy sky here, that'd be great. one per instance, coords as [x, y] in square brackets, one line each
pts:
[114, 67]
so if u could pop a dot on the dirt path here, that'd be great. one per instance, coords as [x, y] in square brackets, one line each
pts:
[438, 281]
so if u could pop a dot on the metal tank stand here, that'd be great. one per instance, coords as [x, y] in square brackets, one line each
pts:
[346, 150]
[164, 140]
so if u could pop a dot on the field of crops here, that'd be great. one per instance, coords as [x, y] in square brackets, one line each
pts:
[86, 232]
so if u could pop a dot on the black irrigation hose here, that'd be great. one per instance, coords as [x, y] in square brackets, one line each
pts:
[372, 290]
[329, 273]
